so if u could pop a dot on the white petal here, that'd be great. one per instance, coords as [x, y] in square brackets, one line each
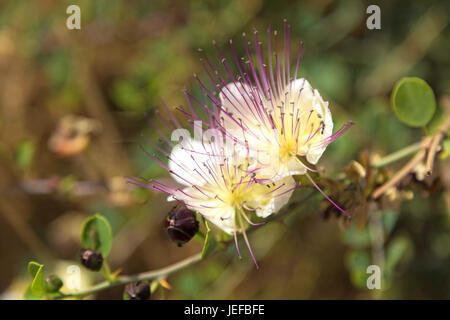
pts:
[274, 201]
[214, 210]
[187, 160]
[310, 99]
[300, 90]
[234, 95]
[276, 171]
[238, 102]
[294, 167]
[321, 107]
[222, 217]
[280, 198]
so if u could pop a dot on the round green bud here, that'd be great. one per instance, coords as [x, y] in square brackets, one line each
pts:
[53, 283]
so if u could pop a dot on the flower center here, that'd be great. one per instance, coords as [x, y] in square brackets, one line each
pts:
[287, 149]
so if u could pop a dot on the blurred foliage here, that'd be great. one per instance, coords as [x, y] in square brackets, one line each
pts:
[130, 56]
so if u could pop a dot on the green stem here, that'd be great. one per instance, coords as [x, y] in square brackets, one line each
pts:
[106, 271]
[402, 153]
[164, 272]
[155, 274]
[162, 293]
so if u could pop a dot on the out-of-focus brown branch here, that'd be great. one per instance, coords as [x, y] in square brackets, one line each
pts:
[109, 153]
[53, 185]
[25, 232]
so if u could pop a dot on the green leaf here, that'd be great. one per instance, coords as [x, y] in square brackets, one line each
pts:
[445, 149]
[390, 218]
[395, 252]
[24, 154]
[129, 96]
[210, 242]
[357, 259]
[37, 287]
[33, 268]
[153, 286]
[436, 121]
[413, 102]
[357, 238]
[67, 184]
[28, 295]
[96, 234]
[357, 262]
[226, 237]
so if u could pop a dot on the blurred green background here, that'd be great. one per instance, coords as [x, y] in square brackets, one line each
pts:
[73, 105]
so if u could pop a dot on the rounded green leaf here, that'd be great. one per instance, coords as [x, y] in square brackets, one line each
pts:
[413, 102]
[97, 235]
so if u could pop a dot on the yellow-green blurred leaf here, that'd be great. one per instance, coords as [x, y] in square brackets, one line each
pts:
[96, 234]
[413, 101]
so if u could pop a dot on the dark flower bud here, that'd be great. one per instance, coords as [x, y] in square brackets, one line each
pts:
[53, 283]
[138, 290]
[181, 224]
[91, 259]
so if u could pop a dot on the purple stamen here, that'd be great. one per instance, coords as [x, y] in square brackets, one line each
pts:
[328, 198]
[237, 245]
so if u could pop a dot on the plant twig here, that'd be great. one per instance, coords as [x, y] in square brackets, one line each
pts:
[400, 174]
[155, 274]
[428, 147]
[24, 231]
[432, 152]
[397, 155]
[164, 272]
[435, 142]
